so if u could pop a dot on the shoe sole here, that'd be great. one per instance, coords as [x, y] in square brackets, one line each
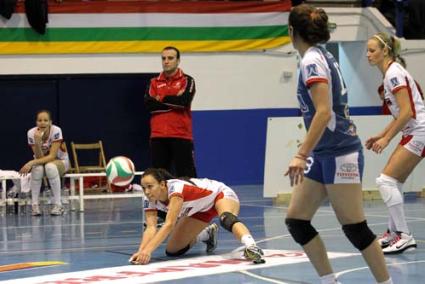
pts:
[259, 261]
[214, 246]
[407, 248]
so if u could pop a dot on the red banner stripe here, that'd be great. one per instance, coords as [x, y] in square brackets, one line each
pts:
[164, 7]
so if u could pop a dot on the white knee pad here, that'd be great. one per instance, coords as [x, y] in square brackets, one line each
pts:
[37, 172]
[51, 171]
[389, 190]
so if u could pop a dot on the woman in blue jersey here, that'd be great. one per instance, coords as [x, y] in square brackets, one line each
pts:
[329, 163]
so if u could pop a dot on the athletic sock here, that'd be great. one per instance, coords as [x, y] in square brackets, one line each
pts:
[389, 281]
[328, 279]
[398, 217]
[203, 235]
[248, 240]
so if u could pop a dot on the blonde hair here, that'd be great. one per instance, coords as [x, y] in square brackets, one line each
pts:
[392, 44]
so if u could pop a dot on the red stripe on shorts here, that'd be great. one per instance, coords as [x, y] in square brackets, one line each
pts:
[405, 139]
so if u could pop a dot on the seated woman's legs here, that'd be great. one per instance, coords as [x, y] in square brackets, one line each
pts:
[37, 174]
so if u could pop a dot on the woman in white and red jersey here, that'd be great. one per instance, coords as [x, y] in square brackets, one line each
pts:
[190, 204]
[50, 159]
[402, 96]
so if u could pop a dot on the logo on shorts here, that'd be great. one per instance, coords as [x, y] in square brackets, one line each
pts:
[185, 212]
[348, 167]
[417, 146]
[348, 171]
[312, 70]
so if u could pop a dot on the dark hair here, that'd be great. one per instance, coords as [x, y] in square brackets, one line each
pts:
[43, 110]
[392, 44]
[309, 23]
[163, 175]
[158, 174]
[173, 48]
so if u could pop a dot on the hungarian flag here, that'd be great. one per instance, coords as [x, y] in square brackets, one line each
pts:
[133, 27]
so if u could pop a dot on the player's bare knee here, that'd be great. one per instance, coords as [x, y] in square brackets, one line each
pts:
[228, 220]
[359, 235]
[301, 230]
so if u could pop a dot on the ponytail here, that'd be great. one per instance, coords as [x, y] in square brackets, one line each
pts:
[396, 48]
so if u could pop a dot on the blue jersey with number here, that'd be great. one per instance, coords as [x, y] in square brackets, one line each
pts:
[340, 137]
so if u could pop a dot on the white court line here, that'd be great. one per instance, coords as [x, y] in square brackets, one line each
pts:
[73, 225]
[366, 267]
[321, 210]
[109, 247]
[176, 269]
[261, 277]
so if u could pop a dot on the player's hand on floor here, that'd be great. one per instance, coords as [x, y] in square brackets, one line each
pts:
[140, 257]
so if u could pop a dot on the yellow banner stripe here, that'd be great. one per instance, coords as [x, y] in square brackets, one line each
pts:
[139, 46]
[26, 265]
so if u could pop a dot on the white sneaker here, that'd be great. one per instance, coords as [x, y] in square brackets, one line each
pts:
[35, 210]
[57, 210]
[385, 240]
[400, 243]
[212, 239]
[255, 254]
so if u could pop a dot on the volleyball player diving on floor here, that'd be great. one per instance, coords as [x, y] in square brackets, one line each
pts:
[190, 204]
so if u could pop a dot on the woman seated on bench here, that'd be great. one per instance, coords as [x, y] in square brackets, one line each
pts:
[50, 159]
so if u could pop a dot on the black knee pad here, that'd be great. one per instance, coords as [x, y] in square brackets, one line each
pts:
[179, 252]
[227, 220]
[301, 230]
[359, 235]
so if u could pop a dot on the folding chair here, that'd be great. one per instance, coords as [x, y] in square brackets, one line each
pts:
[98, 166]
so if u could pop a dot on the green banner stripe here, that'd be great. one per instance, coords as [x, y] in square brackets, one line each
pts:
[152, 33]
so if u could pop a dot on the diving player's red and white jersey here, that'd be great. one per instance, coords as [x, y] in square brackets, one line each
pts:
[55, 135]
[397, 78]
[198, 197]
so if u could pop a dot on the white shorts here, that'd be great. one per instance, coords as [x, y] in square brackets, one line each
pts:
[228, 193]
[414, 144]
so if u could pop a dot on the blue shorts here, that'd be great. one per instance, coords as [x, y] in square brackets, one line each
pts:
[346, 168]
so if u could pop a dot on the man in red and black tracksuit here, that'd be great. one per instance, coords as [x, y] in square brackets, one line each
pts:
[168, 98]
